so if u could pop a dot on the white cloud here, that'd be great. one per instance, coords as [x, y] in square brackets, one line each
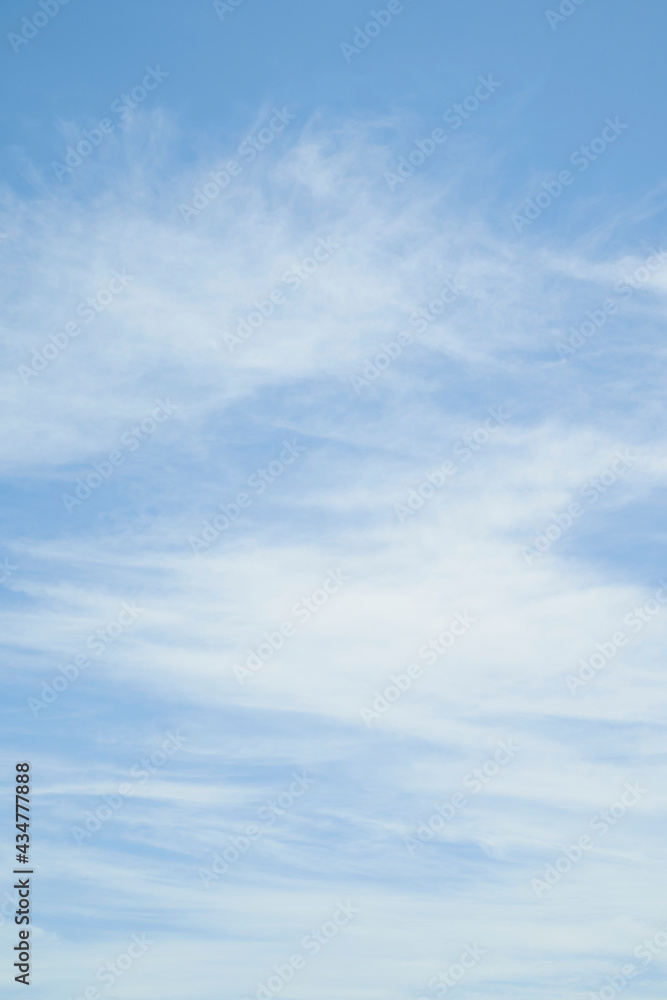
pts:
[462, 552]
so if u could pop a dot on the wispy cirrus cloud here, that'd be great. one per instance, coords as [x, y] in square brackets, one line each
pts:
[462, 553]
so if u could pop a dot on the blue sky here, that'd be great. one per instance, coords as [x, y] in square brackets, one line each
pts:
[326, 482]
